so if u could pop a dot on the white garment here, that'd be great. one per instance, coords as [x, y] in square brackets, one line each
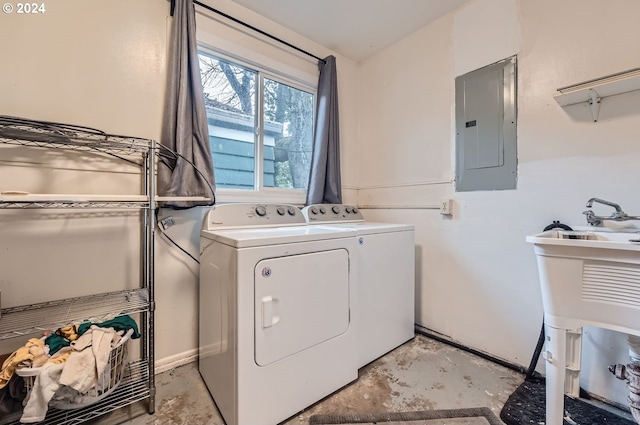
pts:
[44, 387]
[88, 359]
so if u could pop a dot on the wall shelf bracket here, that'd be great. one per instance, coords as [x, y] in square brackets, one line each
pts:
[594, 104]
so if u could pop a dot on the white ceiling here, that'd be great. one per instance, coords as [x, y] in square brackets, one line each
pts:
[354, 28]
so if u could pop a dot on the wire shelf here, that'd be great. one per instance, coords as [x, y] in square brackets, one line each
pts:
[32, 319]
[71, 204]
[22, 132]
[133, 388]
[51, 315]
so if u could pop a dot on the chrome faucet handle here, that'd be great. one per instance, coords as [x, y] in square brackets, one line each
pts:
[620, 216]
[592, 219]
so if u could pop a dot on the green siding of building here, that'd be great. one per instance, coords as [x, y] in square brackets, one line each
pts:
[233, 160]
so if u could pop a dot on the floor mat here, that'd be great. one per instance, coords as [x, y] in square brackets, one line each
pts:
[474, 416]
[527, 406]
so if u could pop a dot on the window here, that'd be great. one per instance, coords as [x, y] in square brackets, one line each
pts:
[260, 128]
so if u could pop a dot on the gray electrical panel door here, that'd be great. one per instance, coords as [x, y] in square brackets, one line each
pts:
[486, 128]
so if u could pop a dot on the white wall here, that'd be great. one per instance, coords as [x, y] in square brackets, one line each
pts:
[476, 276]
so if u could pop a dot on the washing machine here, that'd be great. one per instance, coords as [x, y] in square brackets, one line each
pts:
[276, 322]
[386, 277]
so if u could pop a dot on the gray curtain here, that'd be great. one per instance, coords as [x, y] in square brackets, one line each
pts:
[185, 167]
[324, 181]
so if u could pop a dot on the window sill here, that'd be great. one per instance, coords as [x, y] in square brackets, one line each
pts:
[270, 196]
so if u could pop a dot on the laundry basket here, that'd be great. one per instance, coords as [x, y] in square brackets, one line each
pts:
[67, 398]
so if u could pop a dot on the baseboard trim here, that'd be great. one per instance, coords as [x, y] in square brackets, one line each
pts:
[176, 360]
[446, 340]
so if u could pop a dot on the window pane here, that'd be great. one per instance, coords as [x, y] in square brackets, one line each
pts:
[288, 134]
[230, 99]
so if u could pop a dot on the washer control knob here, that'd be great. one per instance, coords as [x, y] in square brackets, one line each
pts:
[280, 211]
[292, 211]
[355, 210]
[323, 210]
[348, 210]
[261, 210]
[314, 210]
[335, 209]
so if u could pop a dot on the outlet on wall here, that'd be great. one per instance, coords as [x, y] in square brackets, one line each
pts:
[445, 206]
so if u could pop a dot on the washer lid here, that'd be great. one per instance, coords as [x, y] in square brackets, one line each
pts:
[368, 227]
[242, 238]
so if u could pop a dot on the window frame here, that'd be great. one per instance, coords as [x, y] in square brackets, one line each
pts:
[260, 193]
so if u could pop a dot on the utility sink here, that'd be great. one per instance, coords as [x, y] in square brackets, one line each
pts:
[589, 278]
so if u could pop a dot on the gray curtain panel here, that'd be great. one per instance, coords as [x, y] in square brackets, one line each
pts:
[324, 182]
[186, 166]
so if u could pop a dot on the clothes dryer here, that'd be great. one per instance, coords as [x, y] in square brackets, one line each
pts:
[386, 277]
[277, 332]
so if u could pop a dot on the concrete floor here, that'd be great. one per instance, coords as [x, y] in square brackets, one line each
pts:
[422, 374]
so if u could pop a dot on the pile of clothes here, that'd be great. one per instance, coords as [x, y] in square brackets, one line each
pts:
[70, 360]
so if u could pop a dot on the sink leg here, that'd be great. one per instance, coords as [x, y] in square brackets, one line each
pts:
[556, 362]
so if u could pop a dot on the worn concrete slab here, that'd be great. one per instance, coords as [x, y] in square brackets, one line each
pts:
[422, 374]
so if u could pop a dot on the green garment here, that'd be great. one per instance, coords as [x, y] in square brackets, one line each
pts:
[120, 323]
[55, 343]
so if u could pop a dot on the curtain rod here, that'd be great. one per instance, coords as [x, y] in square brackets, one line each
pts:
[238, 21]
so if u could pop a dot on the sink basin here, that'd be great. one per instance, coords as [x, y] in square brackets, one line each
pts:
[612, 240]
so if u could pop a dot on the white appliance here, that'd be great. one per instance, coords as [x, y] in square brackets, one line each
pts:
[386, 277]
[276, 323]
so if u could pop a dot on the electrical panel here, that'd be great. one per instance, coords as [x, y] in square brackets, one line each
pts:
[486, 128]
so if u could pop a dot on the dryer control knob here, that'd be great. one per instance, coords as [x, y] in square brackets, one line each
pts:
[280, 211]
[323, 210]
[291, 211]
[335, 209]
[261, 210]
[355, 210]
[314, 210]
[348, 210]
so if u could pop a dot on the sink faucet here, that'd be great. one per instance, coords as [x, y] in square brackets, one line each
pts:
[602, 201]
[617, 215]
